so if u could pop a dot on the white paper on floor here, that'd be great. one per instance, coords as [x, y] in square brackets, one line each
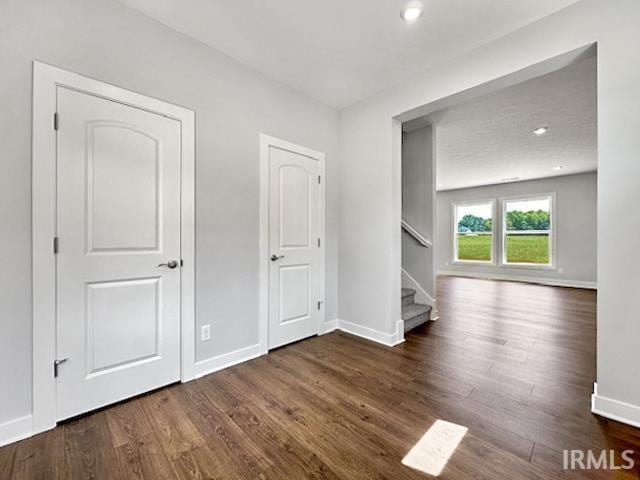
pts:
[432, 452]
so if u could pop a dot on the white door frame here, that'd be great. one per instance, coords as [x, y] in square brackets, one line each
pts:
[46, 79]
[266, 142]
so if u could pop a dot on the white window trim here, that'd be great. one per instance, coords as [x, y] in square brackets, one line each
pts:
[46, 79]
[552, 235]
[454, 229]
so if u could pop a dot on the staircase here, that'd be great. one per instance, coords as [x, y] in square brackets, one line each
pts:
[413, 314]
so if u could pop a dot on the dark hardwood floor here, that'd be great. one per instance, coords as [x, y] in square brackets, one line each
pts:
[515, 363]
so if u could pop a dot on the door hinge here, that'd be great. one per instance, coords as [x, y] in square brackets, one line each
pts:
[318, 243]
[319, 181]
[320, 302]
[55, 121]
[181, 262]
[56, 245]
[57, 363]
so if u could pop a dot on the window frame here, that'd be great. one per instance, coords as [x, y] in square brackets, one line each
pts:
[454, 214]
[552, 233]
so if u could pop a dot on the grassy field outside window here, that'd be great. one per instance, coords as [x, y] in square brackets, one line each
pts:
[474, 247]
[519, 248]
[527, 248]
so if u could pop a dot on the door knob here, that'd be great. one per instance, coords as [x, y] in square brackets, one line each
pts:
[170, 264]
[275, 257]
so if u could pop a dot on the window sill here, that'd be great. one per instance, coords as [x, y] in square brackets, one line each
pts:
[520, 266]
[530, 266]
[474, 262]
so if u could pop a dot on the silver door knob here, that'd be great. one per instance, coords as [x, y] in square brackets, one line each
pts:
[170, 264]
[275, 257]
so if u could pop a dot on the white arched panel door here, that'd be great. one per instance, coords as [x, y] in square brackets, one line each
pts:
[294, 246]
[118, 264]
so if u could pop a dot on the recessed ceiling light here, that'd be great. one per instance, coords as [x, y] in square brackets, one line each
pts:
[412, 10]
[541, 130]
[558, 167]
[510, 179]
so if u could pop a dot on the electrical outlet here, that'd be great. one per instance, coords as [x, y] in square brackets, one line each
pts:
[205, 333]
[560, 270]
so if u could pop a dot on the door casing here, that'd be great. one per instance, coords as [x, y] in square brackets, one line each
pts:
[46, 80]
[267, 142]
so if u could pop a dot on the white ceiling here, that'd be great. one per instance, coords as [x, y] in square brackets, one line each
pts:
[341, 51]
[490, 139]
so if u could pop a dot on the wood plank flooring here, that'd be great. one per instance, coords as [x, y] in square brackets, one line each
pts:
[515, 363]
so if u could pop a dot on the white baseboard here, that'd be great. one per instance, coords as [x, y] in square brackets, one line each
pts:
[422, 296]
[16, 430]
[387, 339]
[210, 365]
[554, 282]
[615, 409]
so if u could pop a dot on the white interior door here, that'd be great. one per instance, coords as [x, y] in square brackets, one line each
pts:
[118, 220]
[294, 241]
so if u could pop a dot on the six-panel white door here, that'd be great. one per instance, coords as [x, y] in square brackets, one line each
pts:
[294, 241]
[118, 307]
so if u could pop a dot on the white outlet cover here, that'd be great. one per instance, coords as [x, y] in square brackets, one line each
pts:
[205, 333]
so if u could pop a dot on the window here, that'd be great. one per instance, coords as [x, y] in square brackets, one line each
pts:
[473, 232]
[527, 231]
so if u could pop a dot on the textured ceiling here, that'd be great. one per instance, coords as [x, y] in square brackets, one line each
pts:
[341, 51]
[490, 139]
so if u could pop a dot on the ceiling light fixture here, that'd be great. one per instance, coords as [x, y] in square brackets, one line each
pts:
[412, 10]
[558, 167]
[541, 130]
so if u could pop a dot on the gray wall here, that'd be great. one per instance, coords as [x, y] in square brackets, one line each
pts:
[575, 220]
[418, 204]
[233, 104]
[370, 166]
